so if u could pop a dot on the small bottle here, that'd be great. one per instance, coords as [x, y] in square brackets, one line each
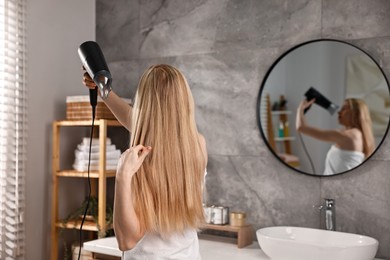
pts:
[286, 129]
[281, 129]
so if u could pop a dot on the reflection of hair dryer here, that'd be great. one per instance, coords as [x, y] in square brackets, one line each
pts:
[320, 100]
[93, 61]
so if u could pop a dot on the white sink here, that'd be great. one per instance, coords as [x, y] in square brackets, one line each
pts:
[296, 243]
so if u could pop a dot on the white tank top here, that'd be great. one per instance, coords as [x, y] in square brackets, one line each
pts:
[154, 247]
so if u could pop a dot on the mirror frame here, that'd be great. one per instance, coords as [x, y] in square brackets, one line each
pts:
[266, 76]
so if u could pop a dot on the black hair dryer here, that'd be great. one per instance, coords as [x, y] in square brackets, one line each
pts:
[321, 100]
[93, 61]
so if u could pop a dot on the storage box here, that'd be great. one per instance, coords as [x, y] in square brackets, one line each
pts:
[79, 108]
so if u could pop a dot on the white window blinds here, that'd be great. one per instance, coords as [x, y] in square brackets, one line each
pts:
[13, 127]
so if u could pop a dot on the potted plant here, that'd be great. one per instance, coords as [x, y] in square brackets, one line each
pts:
[91, 215]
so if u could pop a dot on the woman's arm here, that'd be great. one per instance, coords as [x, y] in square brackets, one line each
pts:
[126, 223]
[120, 109]
[204, 147]
[334, 136]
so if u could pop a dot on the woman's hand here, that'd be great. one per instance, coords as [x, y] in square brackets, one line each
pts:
[87, 80]
[120, 108]
[300, 122]
[305, 104]
[131, 160]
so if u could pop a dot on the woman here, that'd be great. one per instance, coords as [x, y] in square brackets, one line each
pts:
[158, 189]
[352, 144]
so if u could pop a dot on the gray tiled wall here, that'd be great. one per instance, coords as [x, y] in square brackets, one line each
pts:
[224, 47]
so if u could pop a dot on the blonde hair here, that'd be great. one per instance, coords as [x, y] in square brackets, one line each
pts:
[167, 189]
[361, 119]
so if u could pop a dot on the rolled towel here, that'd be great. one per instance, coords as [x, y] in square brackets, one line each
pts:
[95, 162]
[84, 155]
[95, 141]
[95, 149]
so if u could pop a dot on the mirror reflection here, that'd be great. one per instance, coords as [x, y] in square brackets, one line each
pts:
[324, 107]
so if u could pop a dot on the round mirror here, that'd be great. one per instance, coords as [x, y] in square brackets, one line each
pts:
[323, 107]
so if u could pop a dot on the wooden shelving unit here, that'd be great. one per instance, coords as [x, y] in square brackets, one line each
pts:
[281, 116]
[244, 233]
[100, 176]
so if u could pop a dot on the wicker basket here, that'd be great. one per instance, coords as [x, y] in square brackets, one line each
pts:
[79, 108]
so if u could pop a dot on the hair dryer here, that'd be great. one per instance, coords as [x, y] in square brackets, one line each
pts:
[93, 61]
[321, 100]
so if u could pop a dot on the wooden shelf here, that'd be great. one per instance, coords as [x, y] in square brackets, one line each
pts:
[281, 112]
[282, 139]
[92, 174]
[88, 225]
[87, 122]
[244, 233]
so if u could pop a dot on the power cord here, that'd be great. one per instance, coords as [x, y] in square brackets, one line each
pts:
[89, 180]
[306, 152]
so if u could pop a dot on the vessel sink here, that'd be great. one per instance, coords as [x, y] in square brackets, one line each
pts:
[297, 243]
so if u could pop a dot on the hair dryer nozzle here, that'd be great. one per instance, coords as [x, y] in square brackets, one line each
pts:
[321, 100]
[93, 61]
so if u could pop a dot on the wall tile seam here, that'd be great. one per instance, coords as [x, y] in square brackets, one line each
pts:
[329, 36]
[369, 38]
[380, 159]
[252, 190]
[155, 13]
[203, 53]
[322, 19]
[179, 55]
[124, 61]
[216, 52]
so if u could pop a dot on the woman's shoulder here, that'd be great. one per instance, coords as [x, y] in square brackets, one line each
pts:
[353, 133]
[353, 139]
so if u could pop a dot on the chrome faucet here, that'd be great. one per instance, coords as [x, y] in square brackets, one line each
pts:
[330, 214]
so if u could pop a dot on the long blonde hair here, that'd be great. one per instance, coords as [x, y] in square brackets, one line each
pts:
[167, 189]
[361, 119]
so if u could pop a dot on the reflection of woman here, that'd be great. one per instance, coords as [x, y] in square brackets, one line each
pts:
[158, 187]
[352, 144]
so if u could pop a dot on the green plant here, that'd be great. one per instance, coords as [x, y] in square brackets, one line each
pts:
[92, 212]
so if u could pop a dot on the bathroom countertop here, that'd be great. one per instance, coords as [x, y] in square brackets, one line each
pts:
[105, 246]
[218, 248]
[211, 248]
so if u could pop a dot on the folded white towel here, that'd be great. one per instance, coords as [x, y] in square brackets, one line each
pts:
[84, 155]
[95, 149]
[95, 141]
[95, 162]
